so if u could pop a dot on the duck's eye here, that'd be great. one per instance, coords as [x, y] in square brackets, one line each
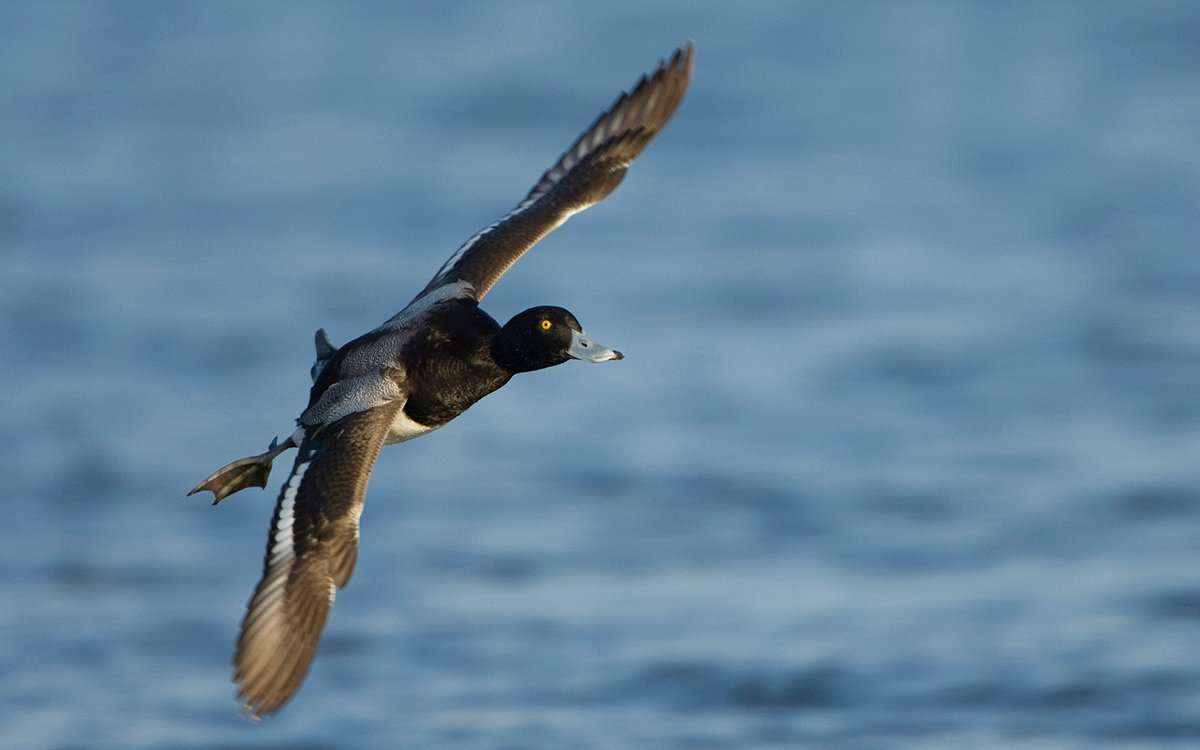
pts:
[546, 325]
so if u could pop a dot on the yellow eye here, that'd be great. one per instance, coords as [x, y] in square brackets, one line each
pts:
[546, 325]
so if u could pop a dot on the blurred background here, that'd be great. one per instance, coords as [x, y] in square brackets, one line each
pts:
[904, 452]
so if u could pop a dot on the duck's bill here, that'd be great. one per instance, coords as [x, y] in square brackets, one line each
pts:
[582, 347]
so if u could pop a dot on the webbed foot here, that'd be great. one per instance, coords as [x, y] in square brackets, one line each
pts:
[252, 471]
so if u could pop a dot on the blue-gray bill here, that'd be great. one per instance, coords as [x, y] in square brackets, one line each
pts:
[582, 347]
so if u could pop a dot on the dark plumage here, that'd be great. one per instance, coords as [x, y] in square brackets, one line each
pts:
[414, 373]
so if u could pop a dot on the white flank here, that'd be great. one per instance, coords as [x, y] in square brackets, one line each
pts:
[402, 428]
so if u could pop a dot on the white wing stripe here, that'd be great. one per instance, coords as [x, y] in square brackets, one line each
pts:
[284, 548]
[617, 117]
[597, 137]
[460, 252]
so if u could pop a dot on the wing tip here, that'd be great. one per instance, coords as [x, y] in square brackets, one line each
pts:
[636, 116]
[680, 63]
[684, 57]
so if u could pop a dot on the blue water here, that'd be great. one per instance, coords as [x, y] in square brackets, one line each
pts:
[905, 451]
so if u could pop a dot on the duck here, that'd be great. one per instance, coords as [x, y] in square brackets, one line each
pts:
[414, 373]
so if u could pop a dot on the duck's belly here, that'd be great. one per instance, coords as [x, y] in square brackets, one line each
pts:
[404, 428]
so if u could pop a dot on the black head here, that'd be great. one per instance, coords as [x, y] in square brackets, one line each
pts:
[543, 337]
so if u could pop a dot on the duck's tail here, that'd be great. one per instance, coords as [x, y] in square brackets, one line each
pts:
[252, 471]
[325, 352]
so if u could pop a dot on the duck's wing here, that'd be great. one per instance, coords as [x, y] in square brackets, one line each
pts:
[586, 172]
[311, 551]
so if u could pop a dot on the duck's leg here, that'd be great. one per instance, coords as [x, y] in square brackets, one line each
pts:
[252, 471]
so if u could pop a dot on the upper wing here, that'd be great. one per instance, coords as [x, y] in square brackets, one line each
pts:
[586, 172]
[311, 551]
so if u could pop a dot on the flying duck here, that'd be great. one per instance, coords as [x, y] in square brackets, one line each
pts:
[414, 373]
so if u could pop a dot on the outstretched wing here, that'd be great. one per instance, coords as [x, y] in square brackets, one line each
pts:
[586, 172]
[311, 551]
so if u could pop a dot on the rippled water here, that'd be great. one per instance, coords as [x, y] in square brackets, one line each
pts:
[903, 454]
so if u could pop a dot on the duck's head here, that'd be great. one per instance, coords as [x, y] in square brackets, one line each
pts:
[543, 337]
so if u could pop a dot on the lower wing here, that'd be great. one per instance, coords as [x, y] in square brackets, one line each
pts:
[311, 550]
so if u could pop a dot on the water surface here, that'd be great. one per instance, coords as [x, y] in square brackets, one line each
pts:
[903, 453]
